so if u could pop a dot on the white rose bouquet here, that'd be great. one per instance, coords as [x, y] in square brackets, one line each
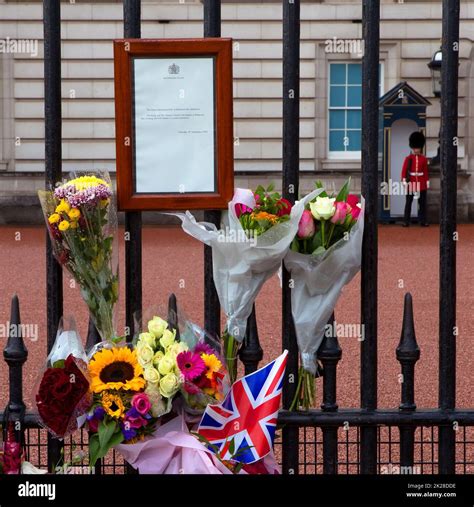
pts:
[324, 256]
[157, 350]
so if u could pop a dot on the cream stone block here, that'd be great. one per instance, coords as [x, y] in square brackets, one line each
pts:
[249, 30]
[89, 109]
[86, 30]
[271, 11]
[183, 30]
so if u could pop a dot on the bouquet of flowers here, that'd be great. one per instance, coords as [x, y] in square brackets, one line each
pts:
[183, 363]
[62, 395]
[325, 255]
[266, 209]
[157, 353]
[255, 235]
[82, 221]
[121, 411]
[204, 376]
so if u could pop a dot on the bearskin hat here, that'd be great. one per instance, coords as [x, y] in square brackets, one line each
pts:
[417, 140]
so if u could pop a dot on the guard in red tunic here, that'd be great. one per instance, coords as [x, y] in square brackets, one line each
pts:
[415, 179]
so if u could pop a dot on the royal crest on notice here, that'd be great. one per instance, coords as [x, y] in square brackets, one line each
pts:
[173, 69]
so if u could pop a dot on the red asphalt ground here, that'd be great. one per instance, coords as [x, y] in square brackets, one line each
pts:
[407, 258]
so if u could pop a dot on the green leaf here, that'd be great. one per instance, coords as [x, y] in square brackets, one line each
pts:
[295, 247]
[105, 431]
[205, 441]
[319, 250]
[59, 363]
[344, 192]
[320, 185]
[238, 467]
[94, 449]
[117, 438]
[232, 447]
[242, 450]
[316, 241]
[271, 187]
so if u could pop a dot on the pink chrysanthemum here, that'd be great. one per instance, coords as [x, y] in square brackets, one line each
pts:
[190, 364]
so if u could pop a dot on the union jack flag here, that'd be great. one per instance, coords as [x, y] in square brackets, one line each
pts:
[243, 426]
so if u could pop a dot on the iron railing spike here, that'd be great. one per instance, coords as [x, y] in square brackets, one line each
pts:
[251, 352]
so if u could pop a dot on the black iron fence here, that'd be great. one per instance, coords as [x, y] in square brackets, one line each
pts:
[327, 440]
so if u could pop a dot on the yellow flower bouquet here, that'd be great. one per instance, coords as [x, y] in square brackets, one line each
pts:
[81, 218]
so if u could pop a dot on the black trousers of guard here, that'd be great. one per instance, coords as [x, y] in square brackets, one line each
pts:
[421, 207]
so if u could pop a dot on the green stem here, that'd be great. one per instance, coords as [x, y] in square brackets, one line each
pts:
[322, 232]
[298, 390]
[331, 230]
[231, 347]
[305, 391]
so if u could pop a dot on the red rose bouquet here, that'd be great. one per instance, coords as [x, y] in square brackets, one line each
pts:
[62, 395]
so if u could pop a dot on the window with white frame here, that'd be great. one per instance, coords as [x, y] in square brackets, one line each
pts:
[344, 111]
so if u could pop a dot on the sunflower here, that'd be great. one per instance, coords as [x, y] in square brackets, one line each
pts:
[115, 369]
[213, 365]
[113, 404]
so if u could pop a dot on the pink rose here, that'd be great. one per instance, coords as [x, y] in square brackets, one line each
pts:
[135, 422]
[342, 208]
[141, 403]
[352, 200]
[355, 212]
[306, 227]
[240, 209]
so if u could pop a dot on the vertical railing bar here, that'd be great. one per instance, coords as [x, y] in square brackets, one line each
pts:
[212, 309]
[358, 450]
[421, 449]
[447, 275]
[407, 354]
[133, 219]
[432, 450]
[347, 450]
[290, 184]
[370, 98]
[389, 444]
[15, 355]
[464, 449]
[330, 354]
[53, 174]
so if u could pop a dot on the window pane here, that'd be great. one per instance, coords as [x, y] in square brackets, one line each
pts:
[337, 120]
[354, 119]
[336, 140]
[354, 96]
[338, 96]
[354, 137]
[338, 73]
[354, 73]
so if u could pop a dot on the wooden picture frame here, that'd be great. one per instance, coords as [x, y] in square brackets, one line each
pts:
[193, 143]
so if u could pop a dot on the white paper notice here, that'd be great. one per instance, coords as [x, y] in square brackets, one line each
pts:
[174, 125]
